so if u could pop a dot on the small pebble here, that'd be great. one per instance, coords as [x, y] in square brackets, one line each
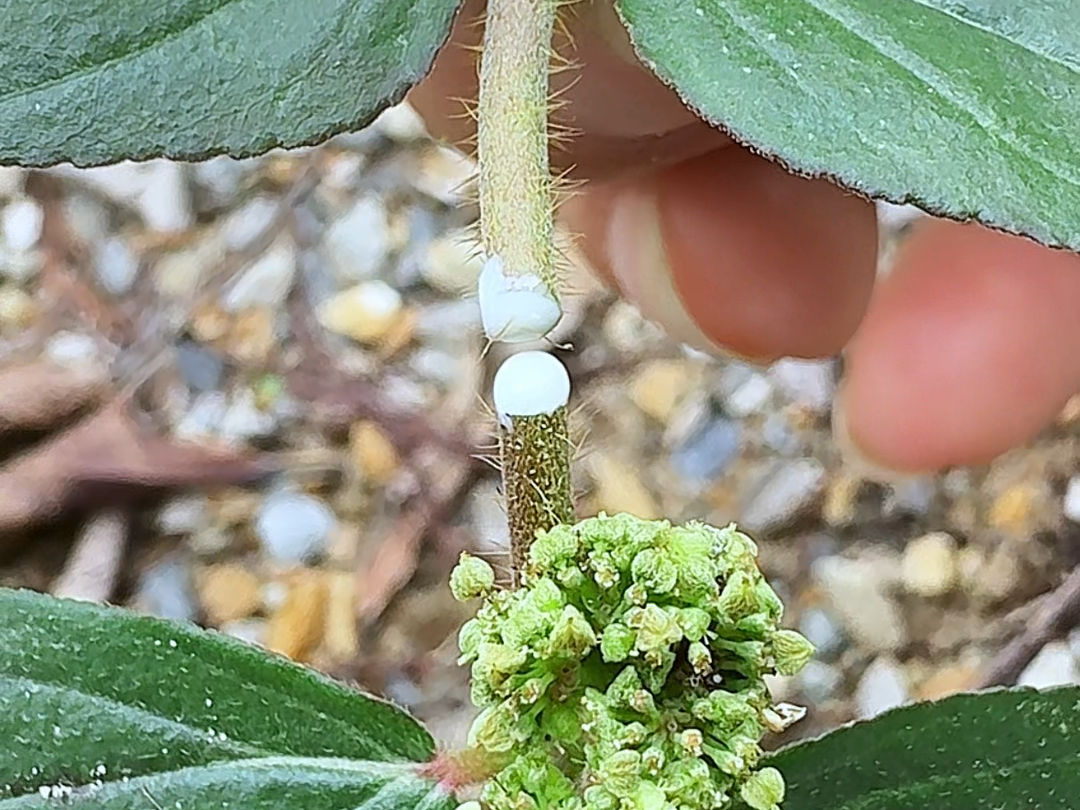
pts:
[910, 497]
[856, 591]
[203, 418]
[750, 397]
[220, 177]
[164, 201]
[373, 454]
[20, 224]
[293, 527]
[445, 175]
[1071, 507]
[659, 385]
[366, 313]
[245, 225]
[820, 682]
[778, 435]
[822, 630]
[452, 263]
[165, 589]
[251, 631]
[267, 282]
[201, 368]
[183, 515]
[229, 592]
[401, 123]
[297, 627]
[243, 421]
[784, 495]
[116, 266]
[929, 567]
[358, 243]
[809, 383]
[17, 309]
[883, 686]
[619, 489]
[708, 451]
[72, 349]
[11, 181]
[1053, 666]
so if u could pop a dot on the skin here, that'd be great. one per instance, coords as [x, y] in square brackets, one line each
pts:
[969, 347]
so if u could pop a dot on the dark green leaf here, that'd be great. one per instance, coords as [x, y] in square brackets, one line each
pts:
[1002, 749]
[282, 783]
[84, 687]
[968, 107]
[94, 81]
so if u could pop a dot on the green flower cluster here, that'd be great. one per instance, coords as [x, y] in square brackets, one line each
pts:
[626, 673]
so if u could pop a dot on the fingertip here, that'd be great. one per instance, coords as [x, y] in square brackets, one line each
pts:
[970, 347]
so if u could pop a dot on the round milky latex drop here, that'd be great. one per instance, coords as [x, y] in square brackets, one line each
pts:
[530, 384]
[514, 309]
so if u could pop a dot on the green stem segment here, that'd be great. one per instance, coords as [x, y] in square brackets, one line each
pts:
[517, 225]
[516, 203]
[536, 479]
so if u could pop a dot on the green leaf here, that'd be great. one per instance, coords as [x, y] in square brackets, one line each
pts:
[966, 107]
[281, 783]
[91, 694]
[1001, 749]
[95, 81]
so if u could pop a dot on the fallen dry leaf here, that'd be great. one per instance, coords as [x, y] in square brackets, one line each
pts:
[107, 459]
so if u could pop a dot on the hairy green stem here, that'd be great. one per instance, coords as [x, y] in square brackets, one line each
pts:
[536, 479]
[516, 204]
[517, 225]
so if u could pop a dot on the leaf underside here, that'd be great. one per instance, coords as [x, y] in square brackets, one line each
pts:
[1002, 749]
[96, 81]
[968, 108]
[112, 705]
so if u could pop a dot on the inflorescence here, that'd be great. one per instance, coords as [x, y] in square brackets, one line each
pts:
[627, 670]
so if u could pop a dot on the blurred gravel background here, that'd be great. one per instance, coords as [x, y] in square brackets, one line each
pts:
[250, 394]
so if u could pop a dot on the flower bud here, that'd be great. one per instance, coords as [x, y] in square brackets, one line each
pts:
[738, 599]
[620, 772]
[599, 797]
[700, 658]
[616, 642]
[653, 570]
[641, 701]
[571, 578]
[494, 729]
[637, 594]
[554, 549]
[652, 760]
[659, 630]
[763, 790]
[622, 689]
[469, 638]
[694, 623]
[691, 740]
[471, 577]
[791, 651]
[782, 716]
[572, 634]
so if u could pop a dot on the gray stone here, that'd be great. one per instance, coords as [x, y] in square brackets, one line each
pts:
[883, 686]
[358, 243]
[778, 435]
[20, 224]
[820, 682]
[784, 495]
[116, 266]
[910, 497]
[243, 421]
[183, 515]
[245, 225]
[266, 283]
[1053, 666]
[220, 177]
[750, 397]
[708, 451]
[165, 589]
[200, 367]
[857, 590]
[822, 630]
[1071, 506]
[164, 201]
[809, 383]
[293, 527]
[72, 349]
[203, 419]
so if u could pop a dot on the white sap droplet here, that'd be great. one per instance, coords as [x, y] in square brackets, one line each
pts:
[514, 309]
[530, 384]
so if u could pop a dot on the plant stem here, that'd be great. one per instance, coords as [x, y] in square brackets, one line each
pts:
[516, 205]
[517, 226]
[536, 479]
